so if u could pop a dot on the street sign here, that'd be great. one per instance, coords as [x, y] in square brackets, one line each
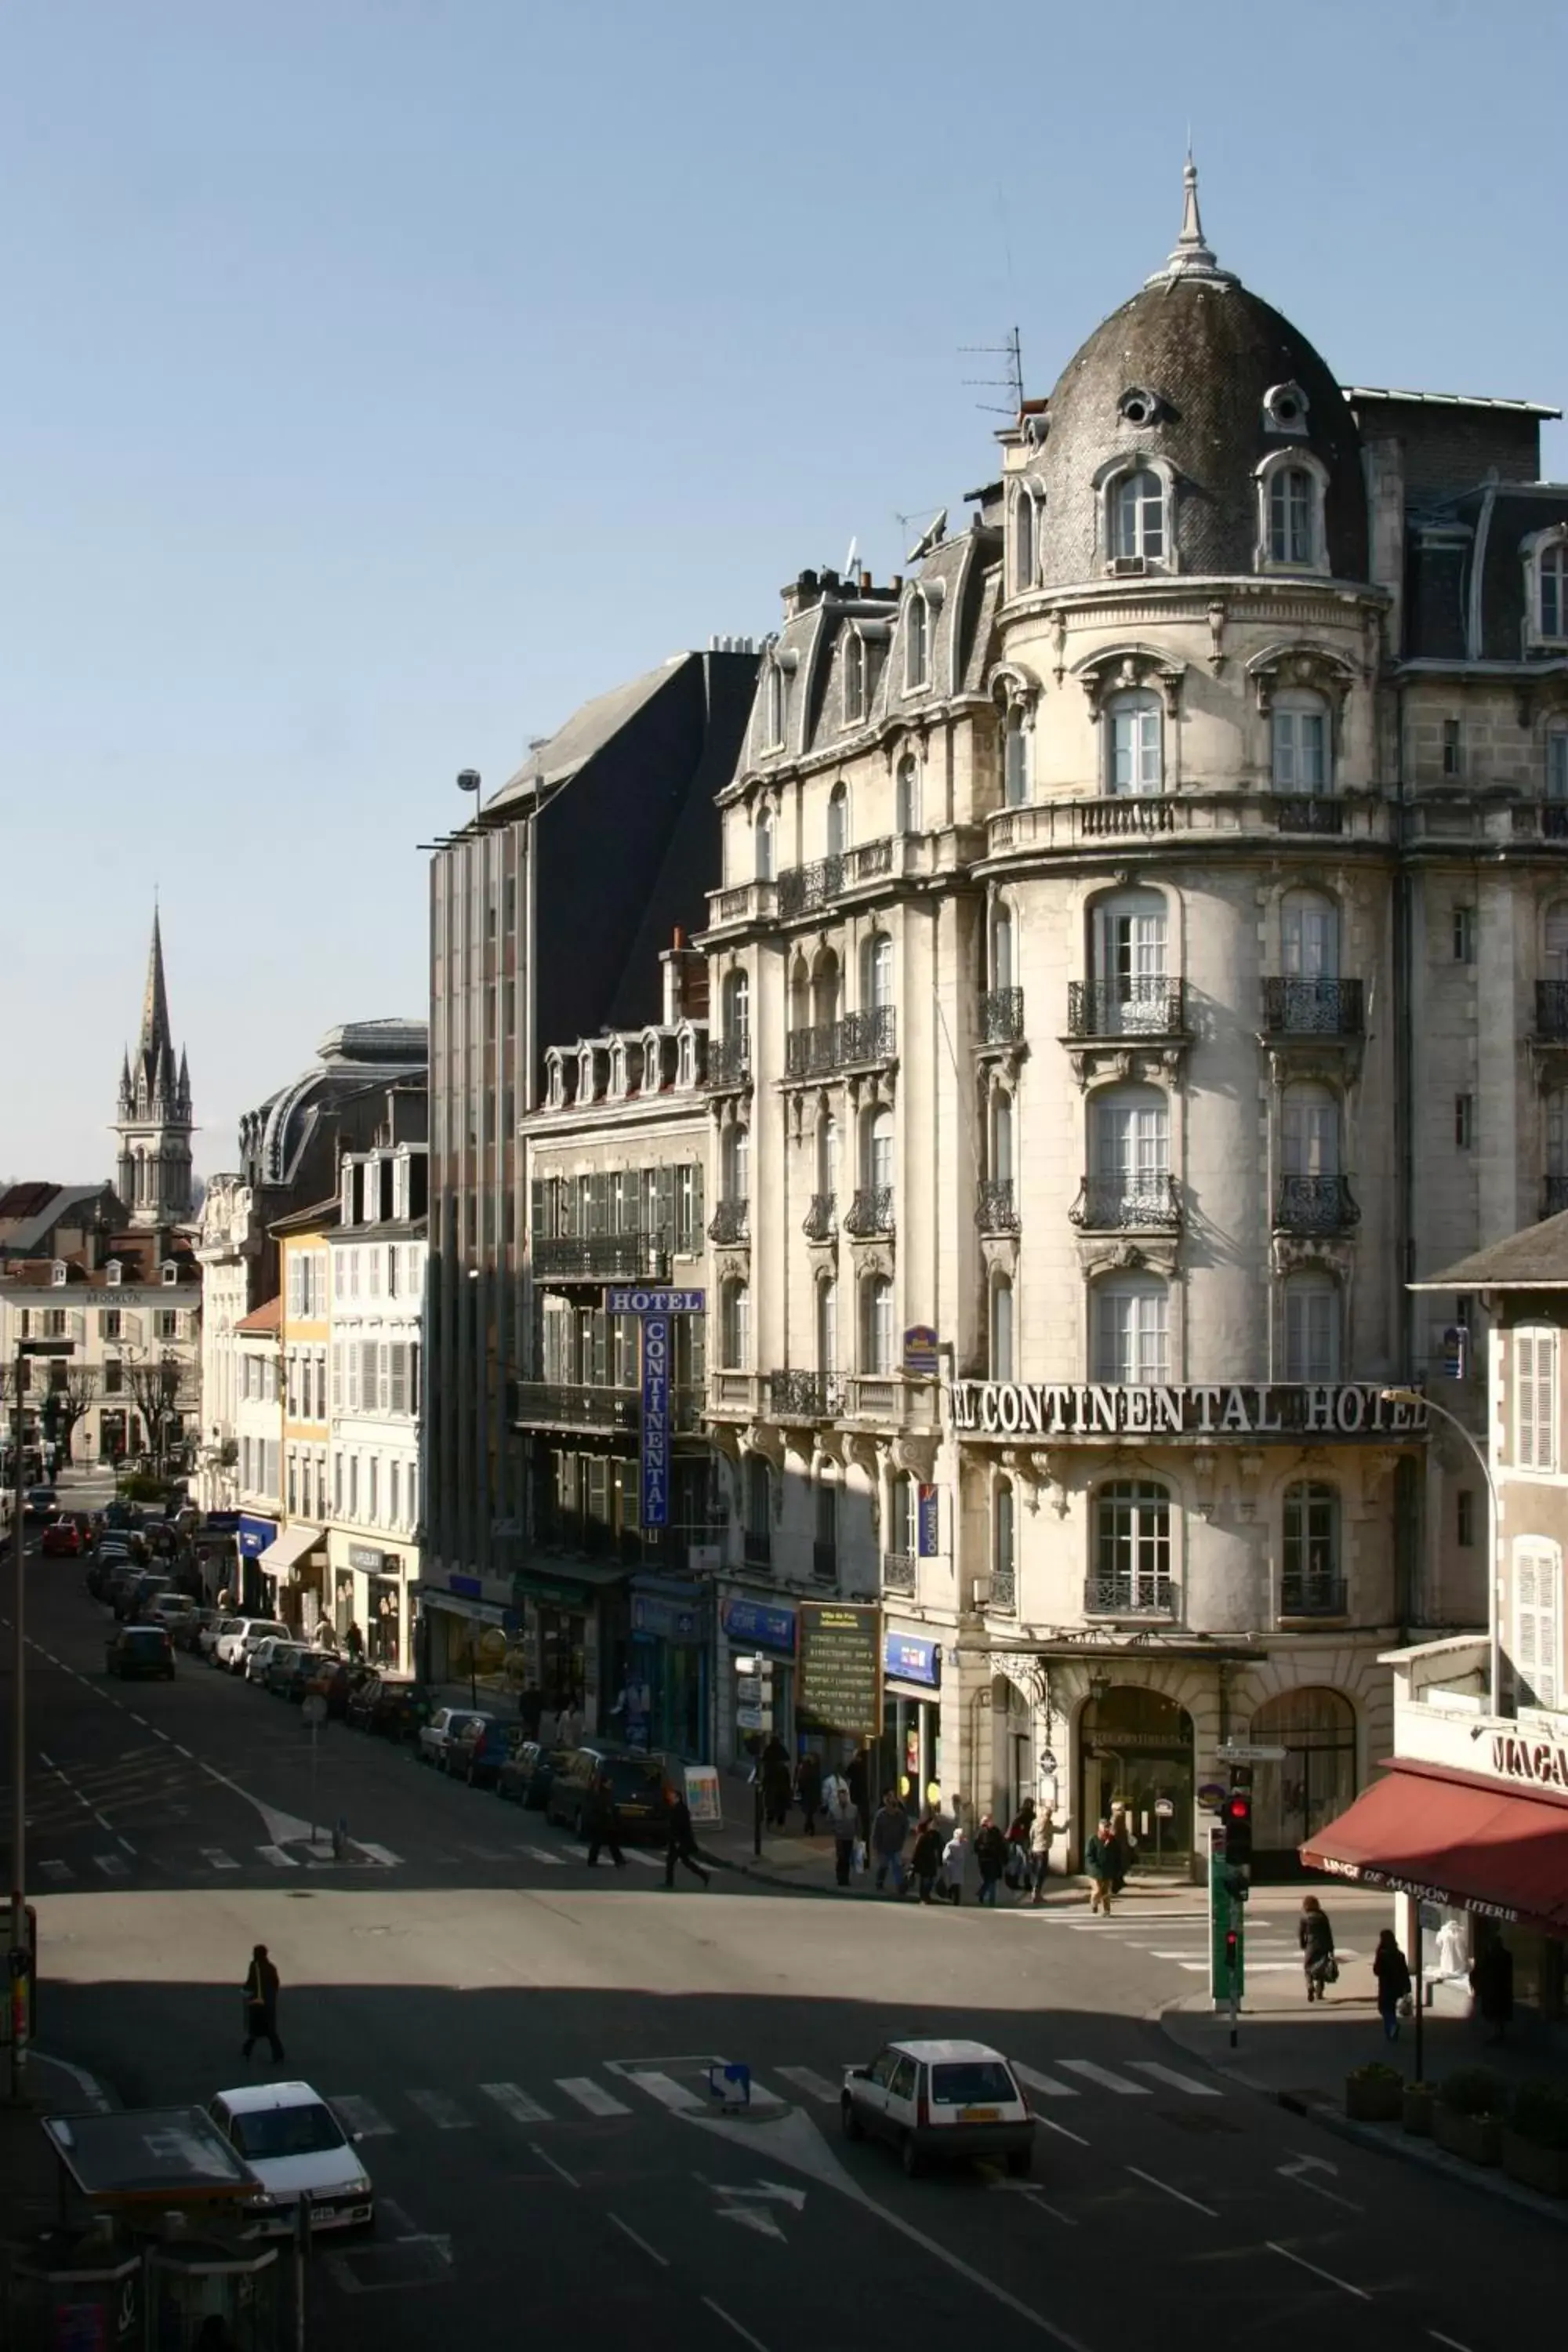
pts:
[759, 1666]
[656, 1338]
[1211, 1796]
[750, 1692]
[1237, 1751]
[920, 1351]
[754, 1719]
[928, 1522]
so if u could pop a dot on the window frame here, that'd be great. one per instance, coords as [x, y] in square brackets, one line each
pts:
[1309, 1283]
[1147, 1352]
[1534, 1401]
[1541, 1557]
[1129, 530]
[1300, 1500]
[1287, 712]
[1142, 702]
[917, 642]
[854, 677]
[1546, 558]
[1116, 1528]
[908, 796]
[1292, 458]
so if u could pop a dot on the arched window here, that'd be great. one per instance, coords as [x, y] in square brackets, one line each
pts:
[737, 1158]
[876, 1324]
[1002, 1136]
[1024, 560]
[854, 677]
[687, 1058]
[1309, 1131]
[827, 1155]
[1015, 758]
[1134, 750]
[877, 1134]
[827, 1325]
[1557, 764]
[1308, 936]
[1129, 1329]
[1001, 946]
[1130, 1158]
[1132, 1549]
[737, 1008]
[1003, 1352]
[1130, 989]
[1292, 517]
[1316, 1780]
[1552, 596]
[1302, 744]
[1003, 1546]
[916, 640]
[1139, 512]
[1310, 1581]
[764, 845]
[825, 990]
[1311, 1328]
[907, 815]
[839, 821]
[735, 1326]
[776, 702]
[877, 972]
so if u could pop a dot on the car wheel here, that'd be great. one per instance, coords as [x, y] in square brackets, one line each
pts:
[853, 2127]
[910, 2157]
[1019, 2163]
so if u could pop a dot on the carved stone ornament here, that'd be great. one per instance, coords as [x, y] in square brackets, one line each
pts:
[1014, 687]
[1216, 619]
[916, 1456]
[1123, 669]
[1059, 642]
[1377, 1464]
[1249, 1469]
[1093, 1064]
[1305, 667]
[730, 1265]
[1151, 1253]
[999, 1252]
[1205, 1464]
[1023, 1469]
[860, 1451]
[1298, 1254]
[1053, 1465]
[762, 1437]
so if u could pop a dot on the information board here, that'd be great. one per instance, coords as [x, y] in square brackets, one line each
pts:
[702, 1796]
[838, 1685]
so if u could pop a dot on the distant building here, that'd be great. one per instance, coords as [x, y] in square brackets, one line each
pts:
[153, 1118]
[130, 1301]
[53, 1220]
[295, 1563]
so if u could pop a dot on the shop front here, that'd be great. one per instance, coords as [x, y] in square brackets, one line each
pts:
[295, 1568]
[561, 1644]
[662, 1669]
[369, 1588]
[464, 1638]
[1135, 1751]
[253, 1537]
[910, 1757]
[751, 1626]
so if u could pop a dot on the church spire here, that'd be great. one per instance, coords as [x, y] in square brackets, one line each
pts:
[156, 1038]
[1191, 256]
[153, 1166]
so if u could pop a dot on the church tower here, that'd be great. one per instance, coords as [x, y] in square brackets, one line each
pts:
[153, 1175]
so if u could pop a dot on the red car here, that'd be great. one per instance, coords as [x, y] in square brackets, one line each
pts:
[61, 1537]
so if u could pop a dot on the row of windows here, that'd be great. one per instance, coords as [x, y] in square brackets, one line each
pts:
[113, 1323]
[259, 1378]
[307, 1285]
[113, 1273]
[1132, 1553]
[1137, 518]
[258, 1467]
[663, 1203]
[368, 1491]
[393, 1270]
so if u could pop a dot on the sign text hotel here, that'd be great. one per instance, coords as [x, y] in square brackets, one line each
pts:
[1306, 1411]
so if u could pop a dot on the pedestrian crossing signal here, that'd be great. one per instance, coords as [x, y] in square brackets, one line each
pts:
[1236, 1815]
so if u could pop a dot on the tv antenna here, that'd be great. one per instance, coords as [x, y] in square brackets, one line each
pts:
[931, 536]
[1011, 354]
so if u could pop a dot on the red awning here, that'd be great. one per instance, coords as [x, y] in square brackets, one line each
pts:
[1455, 1838]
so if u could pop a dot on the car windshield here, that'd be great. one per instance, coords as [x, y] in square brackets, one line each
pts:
[145, 1637]
[636, 1777]
[259, 1633]
[975, 2082]
[286, 2131]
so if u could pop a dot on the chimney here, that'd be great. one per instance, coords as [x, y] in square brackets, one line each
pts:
[685, 981]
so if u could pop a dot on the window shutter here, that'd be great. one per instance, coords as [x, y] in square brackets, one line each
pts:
[367, 1375]
[399, 1360]
[1545, 1401]
[598, 1203]
[697, 1208]
[337, 1376]
[601, 1350]
[664, 1217]
[536, 1225]
[1524, 1399]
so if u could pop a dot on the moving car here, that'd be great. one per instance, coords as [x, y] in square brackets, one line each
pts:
[207, 1639]
[637, 1779]
[294, 2143]
[390, 1705]
[448, 1723]
[945, 2101]
[477, 1755]
[287, 1663]
[62, 1538]
[172, 1609]
[526, 1773]
[136, 1595]
[141, 1654]
[40, 1503]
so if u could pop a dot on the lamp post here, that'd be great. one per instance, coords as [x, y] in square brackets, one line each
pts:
[17, 1955]
[1494, 1519]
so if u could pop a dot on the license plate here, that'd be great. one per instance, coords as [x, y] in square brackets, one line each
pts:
[978, 2114]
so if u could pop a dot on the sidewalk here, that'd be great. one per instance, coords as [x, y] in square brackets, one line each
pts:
[29, 2181]
[806, 1866]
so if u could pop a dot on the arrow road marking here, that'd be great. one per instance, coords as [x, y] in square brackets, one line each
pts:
[766, 2190]
[752, 2216]
[1303, 2165]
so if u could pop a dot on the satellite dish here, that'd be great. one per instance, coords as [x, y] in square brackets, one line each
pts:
[932, 536]
[852, 558]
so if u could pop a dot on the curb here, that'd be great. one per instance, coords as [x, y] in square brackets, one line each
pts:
[95, 2094]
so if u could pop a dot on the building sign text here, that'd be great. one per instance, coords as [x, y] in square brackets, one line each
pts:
[1307, 1412]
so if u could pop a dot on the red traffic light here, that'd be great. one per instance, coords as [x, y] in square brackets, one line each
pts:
[1240, 1808]
[1232, 1948]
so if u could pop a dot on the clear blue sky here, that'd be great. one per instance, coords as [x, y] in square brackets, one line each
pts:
[384, 376]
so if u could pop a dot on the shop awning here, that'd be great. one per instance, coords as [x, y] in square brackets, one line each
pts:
[281, 1558]
[1455, 1838]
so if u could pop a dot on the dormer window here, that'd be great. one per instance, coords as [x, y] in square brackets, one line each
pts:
[1285, 409]
[687, 1058]
[1027, 538]
[1546, 556]
[57, 1274]
[775, 713]
[1290, 534]
[170, 1272]
[763, 837]
[1138, 405]
[854, 677]
[111, 1273]
[917, 643]
[1136, 514]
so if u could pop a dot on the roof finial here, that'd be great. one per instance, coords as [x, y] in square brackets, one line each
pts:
[1191, 258]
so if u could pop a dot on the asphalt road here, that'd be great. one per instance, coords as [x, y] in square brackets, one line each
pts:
[525, 2047]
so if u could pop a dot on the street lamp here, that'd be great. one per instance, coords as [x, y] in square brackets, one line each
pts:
[1494, 1520]
[17, 1955]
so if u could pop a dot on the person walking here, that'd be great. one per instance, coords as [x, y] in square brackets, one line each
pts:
[261, 1990]
[1391, 1969]
[1126, 1845]
[925, 1859]
[1042, 1829]
[353, 1643]
[1018, 1830]
[844, 1822]
[858, 1772]
[569, 1728]
[958, 1864]
[1491, 1981]
[890, 1832]
[775, 1783]
[680, 1841]
[1101, 1857]
[603, 1825]
[809, 1788]
[991, 1853]
[1316, 1937]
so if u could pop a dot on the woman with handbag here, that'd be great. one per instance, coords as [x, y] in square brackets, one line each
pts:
[1317, 1941]
[1391, 1969]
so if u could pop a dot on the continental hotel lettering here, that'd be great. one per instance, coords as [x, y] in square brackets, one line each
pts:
[1308, 1409]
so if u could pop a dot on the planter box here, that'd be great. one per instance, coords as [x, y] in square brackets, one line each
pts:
[1477, 2138]
[1533, 2167]
[1377, 2101]
[1416, 2108]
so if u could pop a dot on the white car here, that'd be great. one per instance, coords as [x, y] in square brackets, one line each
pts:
[207, 1639]
[255, 1656]
[244, 1632]
[295, 2145]
[447, 1725]
[940, 2100]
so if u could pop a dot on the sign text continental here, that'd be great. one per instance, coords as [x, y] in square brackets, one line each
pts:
[1303, 1410]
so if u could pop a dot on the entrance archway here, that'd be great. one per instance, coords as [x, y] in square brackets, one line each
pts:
[1292, 1801]
[1135, 1749]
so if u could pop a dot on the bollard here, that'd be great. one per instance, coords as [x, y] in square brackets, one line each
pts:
[340, 1838]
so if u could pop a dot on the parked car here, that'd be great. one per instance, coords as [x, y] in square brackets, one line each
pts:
[189, 1635]
[293, 2143]
[171, 1608]
[230, 1648]
[255, 1656]
[389, 1705]
[637, 1780]
[141, 1654]
[446, 1725]
[481, 1750]
[207, 1639]
[289, 1663]
[137, 1593]
[950, 2101]
[526, 1775]
[61, 1539]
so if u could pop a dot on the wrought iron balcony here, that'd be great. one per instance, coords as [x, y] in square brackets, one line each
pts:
[1148, 1005]
[821, 1217]
[555, 1405]
[1315, 1204]
[872, 1210]
[1127, 1203]
[825, 1563]
[729, 1061]
[592, 1257]
[1003, 1596]
[1313, 1596]
[804, 1396]
[839, 1045]
[1552, 1010]
[1129, 1596]
[1001, 1017]
[1313, 1008]
[996, 1207]
[899, 1571]
[731, 1222]
[1554, 1196]
[757, 1547]
[1309, 812]
[826, 879]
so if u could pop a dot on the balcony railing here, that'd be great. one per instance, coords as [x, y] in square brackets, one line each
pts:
[1313, 1008]
[1129, 1596]
[804, 1396]
[1315, 1204]
[594, 1255]
[1001, 1017]
[1112, 1204]
[554, 1405]
[825, 1563]
[757, 1547]
[1554, 1196]
[996, 1207]
[872, 1210]
[839, 1044]
[826, 879]
[729, 1061]
[1003, 1596]
[1551, 1009]
[1146, 1005]
[1128, 813]
[821, 1217]
[731, 1221]
[1309, 812]
[899, 1571]
[1313, 1596]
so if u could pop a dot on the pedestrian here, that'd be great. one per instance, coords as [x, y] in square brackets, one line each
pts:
[680, 1841]
[1126, 1845]
[808, 1788]
[844, 1822]
[858, 1772]
[991, 1853]
[958, 1864]
[1491, 1981]
[775, 1783]
[1018, 1829]
[1099, 1859]
[1391, 1969]
[1316, 1937]
[1042, 1829]
[888, 1832]
[925, 1858]
[353, 1643]
[603, 1823]
[261, 1990]
[569, 1729]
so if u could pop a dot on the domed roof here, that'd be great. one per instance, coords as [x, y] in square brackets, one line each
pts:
[1205, 356]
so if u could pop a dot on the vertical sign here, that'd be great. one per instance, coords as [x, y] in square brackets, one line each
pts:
[927, 1522]
[656, 1421]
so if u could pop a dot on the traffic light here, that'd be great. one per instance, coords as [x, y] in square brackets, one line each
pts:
[1236, 1815]
[1232, 1952]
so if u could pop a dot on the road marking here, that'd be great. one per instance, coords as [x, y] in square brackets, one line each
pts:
[1026, 2189]
[1188, 2083]
[1061, 2131]
[183, 1752]
[161, 1735]
[516, 2103]
[1179, 2194]
[1451, 2341]
[219, 1859]
[591, 2094]
[1103, 2076]
[383, 1854]
[648, 1860]
[48, 1763]
[549, 2160]
[665, 2090]
[361, 2117]
[1047, 2085]
[543, 1853]
[143, 1721]
[1359, 2292]
[816, 2086]
[111, 1864]
[443, 2112]
[487, 1853]
[744, 2333]
[56, 1869]
[277, 1857]
[652, 2252]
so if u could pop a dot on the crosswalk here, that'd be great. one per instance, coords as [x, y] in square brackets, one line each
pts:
[1181, 1939]
[55, 1871]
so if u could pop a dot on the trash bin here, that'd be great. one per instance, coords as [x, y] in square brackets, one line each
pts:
[72, 2290]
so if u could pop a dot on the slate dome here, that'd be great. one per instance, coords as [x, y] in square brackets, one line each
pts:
[1183, 374]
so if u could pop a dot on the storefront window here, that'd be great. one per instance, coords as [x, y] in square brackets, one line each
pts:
[1293, 1800]
[1136, 1751]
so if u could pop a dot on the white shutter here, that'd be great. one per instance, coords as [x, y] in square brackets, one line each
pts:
[1546, 1401]
[1524, 1399]
[1537, 1574]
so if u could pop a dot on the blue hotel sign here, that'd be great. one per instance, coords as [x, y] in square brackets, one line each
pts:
[654, 1308]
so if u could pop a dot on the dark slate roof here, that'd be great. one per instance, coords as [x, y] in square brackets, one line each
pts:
[1535, 1259]
[588, 730]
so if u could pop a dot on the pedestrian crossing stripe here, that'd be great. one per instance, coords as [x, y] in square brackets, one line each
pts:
[277, 1857]
[1047, 2085]
[362, 2118]
[1178, 2082]
[591, 2096]
[219, 1859]
[1092, 2072]
[111, 1864]
[816, 2086]
[443, 2112]
[544, 1853]
[515, 2102]
[55, 1869]
[665, 2090]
